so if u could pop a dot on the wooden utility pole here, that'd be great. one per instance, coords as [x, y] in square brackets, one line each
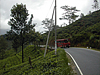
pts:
[55, 28]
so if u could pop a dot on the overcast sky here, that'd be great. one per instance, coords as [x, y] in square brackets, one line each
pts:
[41, 10]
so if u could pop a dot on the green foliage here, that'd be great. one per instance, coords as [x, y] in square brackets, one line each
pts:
[3, 47]
[96, 4]
[3, 43]
[82, 31]
[69, 13]
[16, 59]
[19, 26]
[82, 15]
[49, 65]
[9, 53]
[16, 43]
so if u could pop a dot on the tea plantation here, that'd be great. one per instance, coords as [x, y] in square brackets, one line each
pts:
[51, 64]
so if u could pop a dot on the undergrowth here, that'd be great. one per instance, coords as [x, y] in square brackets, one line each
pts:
[51, 64]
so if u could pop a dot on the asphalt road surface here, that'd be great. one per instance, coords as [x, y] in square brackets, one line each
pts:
[87, 60]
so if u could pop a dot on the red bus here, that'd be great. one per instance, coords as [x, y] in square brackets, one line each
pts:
[63, 43]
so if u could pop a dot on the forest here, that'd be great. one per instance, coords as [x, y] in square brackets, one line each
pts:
[84, 32]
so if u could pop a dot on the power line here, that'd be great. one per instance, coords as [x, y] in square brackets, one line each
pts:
[50, 8]
[48, 12]
[49, 32]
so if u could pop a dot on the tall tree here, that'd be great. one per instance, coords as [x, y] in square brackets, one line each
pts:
[19, 25]
[95, 5]
[69, 13]
[82, 15]
[49, 23]
[16, 43]
[90, 12]
[14, 39]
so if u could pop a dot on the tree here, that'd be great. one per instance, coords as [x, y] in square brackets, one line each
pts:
[3, 46]
[19, 25]
[48, 24]
[95, 5]
[14, 39]
[31, 36]
[16, 43]
[82, 15]
[69, 14]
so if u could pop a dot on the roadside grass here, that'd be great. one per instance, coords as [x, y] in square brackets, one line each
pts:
[17, 59]
[51, 64]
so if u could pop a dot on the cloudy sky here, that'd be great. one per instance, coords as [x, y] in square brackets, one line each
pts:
[41, 9]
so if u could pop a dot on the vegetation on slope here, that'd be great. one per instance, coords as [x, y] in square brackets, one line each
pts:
[51, 64]
[16, 59]
[83, 32]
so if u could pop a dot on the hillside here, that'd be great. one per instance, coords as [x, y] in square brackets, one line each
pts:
[82, 32]
[16, 59]
[82, 24]
[50, 65]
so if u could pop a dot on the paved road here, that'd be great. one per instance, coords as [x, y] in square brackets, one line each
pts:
[87, 60]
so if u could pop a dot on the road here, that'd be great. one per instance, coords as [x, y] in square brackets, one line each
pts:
[87, 60]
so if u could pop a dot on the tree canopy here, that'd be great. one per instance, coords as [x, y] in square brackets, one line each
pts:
[69, 13]
[19, 25]
[83, 32]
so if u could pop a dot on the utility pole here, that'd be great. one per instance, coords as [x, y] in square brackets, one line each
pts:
[55, 28]
[49, 32]
[47, 42]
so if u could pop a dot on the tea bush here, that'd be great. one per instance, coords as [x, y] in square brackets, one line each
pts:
[51, 64]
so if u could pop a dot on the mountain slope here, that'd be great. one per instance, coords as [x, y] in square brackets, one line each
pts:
[50, 65]
[81, 24]
[82, 31]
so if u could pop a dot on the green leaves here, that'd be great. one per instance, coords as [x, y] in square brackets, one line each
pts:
[52, 64]
[3, 46]
[95, 5]
[18, 22]
[19, 25]
[69, 13]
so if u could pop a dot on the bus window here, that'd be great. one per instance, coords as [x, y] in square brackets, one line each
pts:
[65, 41]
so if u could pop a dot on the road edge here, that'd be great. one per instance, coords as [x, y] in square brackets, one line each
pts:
[75, 63]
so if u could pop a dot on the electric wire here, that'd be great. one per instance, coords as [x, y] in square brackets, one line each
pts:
[50, 8]
[47, 13]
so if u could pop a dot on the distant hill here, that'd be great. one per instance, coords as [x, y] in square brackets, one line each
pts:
[3, 31]
[82, 31]
[82, 24]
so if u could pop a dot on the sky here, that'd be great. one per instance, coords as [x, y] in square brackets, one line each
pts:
[41, 9]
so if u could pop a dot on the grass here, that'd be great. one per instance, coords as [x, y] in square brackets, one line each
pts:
[51, 64]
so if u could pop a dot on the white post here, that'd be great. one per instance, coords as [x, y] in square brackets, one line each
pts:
[55, 29]
[49, 33]
[47, 43]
